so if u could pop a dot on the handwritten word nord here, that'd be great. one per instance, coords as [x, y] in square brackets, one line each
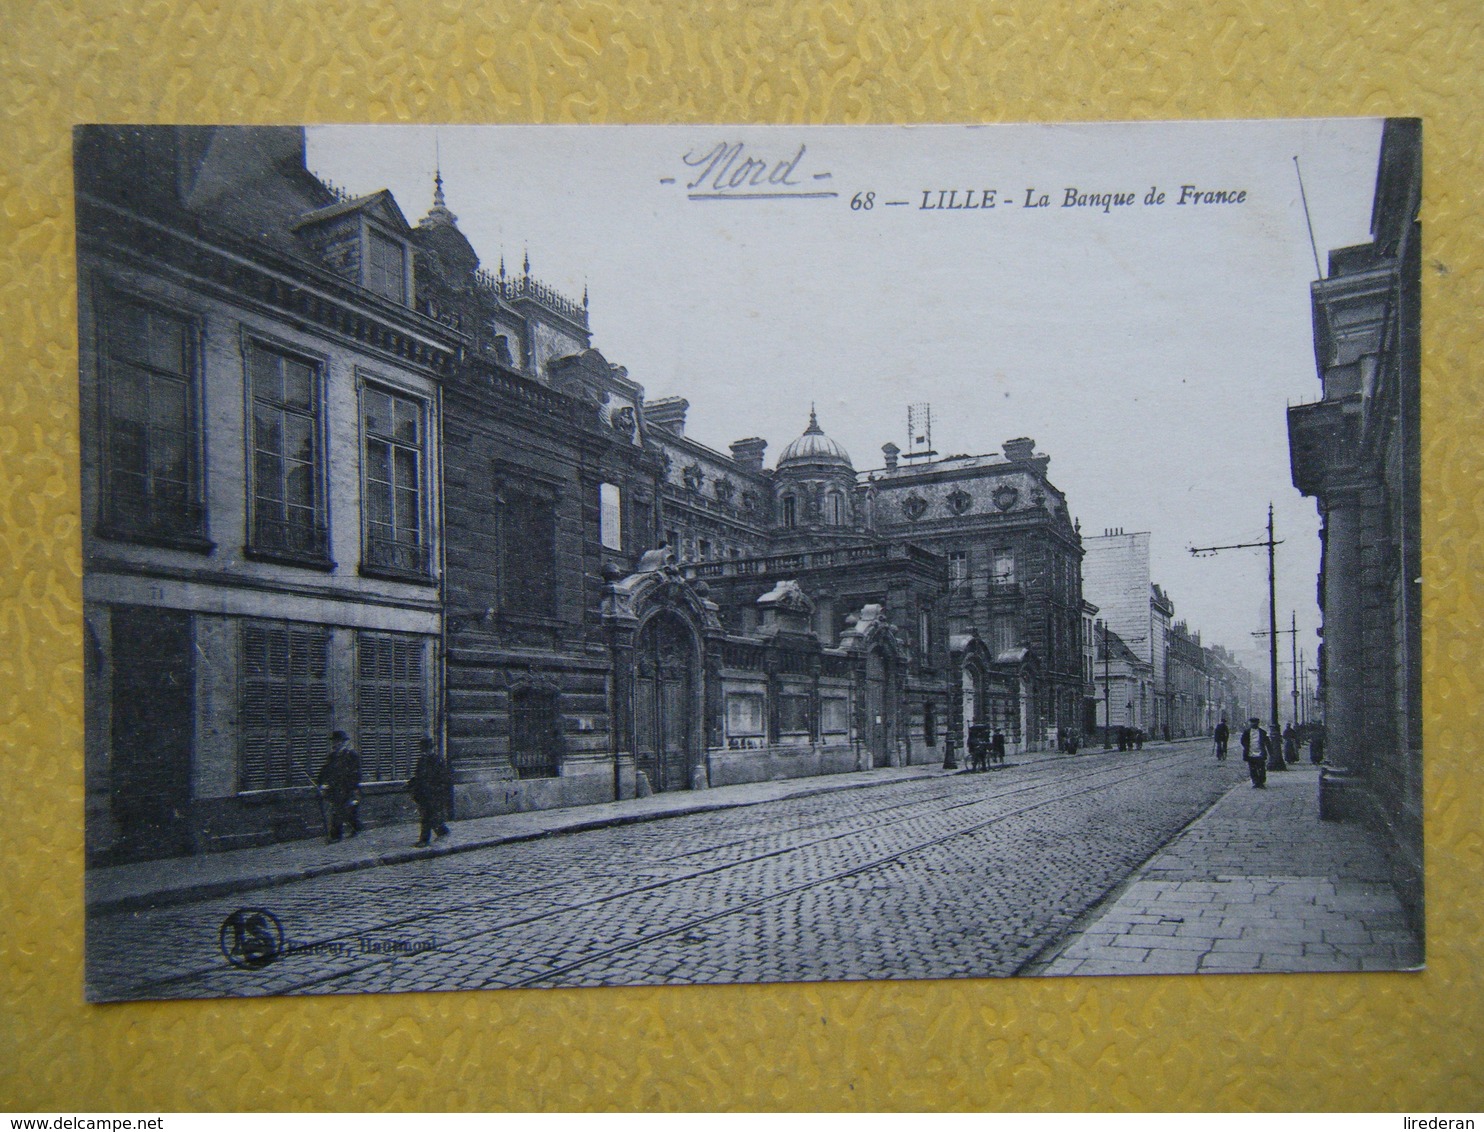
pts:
[729, 171]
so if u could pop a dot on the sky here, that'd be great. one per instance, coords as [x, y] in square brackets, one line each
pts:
[1150, 349]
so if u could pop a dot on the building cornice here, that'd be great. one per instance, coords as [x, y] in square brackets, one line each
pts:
[256, 276]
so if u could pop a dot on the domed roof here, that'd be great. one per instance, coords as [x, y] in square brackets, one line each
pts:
[813, 447]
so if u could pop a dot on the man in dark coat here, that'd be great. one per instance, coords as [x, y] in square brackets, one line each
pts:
[978, 746]
[1223, 733]
[997, 746]
[1255, 751]
[339, 785]
[1290, 743]
[1316, 743]
[431, 787]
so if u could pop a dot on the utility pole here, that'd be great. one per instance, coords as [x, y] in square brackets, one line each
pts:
[1293, 644]
[1292, 633]
[1275, 755]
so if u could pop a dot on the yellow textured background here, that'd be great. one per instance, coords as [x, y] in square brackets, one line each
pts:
[1338, 1041]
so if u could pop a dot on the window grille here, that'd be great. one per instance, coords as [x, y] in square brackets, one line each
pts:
[535, 737]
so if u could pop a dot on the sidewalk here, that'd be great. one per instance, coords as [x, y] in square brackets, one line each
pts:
[152, 884]
[1256, 883]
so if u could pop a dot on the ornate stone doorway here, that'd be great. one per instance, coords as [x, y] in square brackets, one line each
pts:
[666, 727]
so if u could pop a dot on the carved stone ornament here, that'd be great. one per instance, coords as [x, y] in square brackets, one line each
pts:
[914, 506]
[1006, 497]
[622, 420]
[959, 501]
[788, 596]
[532, 677]
[694, 477]
[724, 489]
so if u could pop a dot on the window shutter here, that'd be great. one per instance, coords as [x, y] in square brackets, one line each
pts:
[285, 708]
[392, 698]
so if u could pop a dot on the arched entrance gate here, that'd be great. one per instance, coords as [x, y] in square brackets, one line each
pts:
[667, 670]
[971, 693]
[665, 695]
[881, 664]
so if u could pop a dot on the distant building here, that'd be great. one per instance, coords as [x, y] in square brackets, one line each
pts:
[1357, 451]
[1231, 695]
[1181, 694]
[1125, 682]
[1187, 693]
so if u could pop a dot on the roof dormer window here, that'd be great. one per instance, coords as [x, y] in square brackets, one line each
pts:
[386, 267]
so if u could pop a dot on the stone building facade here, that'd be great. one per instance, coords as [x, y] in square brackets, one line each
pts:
[261, 429]
[1357, 451]
[340, 475]
[1014, 556]
[1187, 690]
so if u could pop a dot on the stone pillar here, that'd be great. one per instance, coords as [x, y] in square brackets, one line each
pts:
[1344, 638]
[713, 707]
[953, 721]
[621, 711]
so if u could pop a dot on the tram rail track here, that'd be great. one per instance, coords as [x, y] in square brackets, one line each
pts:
[936, 792]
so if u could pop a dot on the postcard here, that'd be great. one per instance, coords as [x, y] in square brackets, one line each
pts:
[602, 556]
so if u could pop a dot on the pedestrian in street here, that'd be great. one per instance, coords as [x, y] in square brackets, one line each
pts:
[1255, 751]
[1139, 737]
[1316, 743]
[997, 746]
[1290, 743]
[1223, 733]
[431, 787]
[979, 742]
[339, 784]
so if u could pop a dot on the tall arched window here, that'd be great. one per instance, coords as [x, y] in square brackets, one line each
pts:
[834, 509]
[788, 511]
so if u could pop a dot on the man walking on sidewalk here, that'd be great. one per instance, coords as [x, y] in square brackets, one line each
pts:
[1223, 733]
[1255, 751]
[339, 784]
[431, 787]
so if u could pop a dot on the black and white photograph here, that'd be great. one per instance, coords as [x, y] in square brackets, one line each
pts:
[522, 557]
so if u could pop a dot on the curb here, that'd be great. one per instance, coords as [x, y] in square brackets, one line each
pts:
[1036, 966]
[209, 890]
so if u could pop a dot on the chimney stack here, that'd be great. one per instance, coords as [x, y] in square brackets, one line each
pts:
[1020, 450]
[890, 451]
[749, 453]
[667, 413]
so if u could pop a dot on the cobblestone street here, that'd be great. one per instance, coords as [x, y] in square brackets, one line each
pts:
[958, 875]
